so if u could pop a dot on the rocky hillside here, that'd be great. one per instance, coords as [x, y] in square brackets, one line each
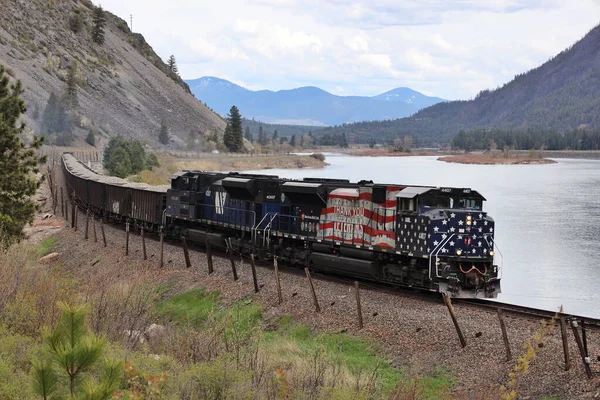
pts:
[123, 87]
[561, 94]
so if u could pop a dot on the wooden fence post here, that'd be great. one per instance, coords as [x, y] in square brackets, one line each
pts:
[231, 259]
[209, 259]
[102, 230]
[55, 202]
[358, 307]
[253, 266]
[276, 266]
[87, 224]
[62, 203]
[127, 238]
[76, 216]
[186, 254]
[144, 244]
[162, 247]
[563, 333]
[312, 290]
[94, 228]
[448, 303]
[73, 211]
[584, 359]
[504, 335]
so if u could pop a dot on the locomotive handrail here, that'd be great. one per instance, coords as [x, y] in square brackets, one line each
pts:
[256, 227]
[495, 245]
[439, 247]
[268, 227]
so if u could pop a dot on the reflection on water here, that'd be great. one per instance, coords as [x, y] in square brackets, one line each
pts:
[547, 219]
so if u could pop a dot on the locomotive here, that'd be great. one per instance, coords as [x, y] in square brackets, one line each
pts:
[424, 237]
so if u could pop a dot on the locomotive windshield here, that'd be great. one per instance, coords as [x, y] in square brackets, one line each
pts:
[447, 202]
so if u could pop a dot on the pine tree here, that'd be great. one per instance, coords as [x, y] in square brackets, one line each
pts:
[275, 136]
[233, 138]
[71, 90]
[191, 142]
[262, 137]
[71, 351]
[99, 21]
[172, 65]
[50, 116]
[248, 135]
[293, 141]
[163, 135]
[91, 138]
[76, 21]
[18, 165]
[301, 140]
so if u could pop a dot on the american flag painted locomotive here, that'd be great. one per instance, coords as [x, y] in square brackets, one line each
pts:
[430, 238]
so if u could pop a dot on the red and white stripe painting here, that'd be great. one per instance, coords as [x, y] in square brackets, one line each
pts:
[352, 217]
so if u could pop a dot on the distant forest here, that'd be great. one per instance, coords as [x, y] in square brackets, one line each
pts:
[527, 139]
[283, 130]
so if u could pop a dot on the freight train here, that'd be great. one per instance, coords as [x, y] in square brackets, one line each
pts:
[424, 237]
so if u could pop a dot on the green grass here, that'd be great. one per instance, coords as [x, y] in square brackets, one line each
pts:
[192, 307]
[359, 355]
[47, 246]
[244, 318]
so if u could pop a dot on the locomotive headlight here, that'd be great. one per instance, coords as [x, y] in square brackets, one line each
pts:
[458, 252]
[469, 220]
[491, 253]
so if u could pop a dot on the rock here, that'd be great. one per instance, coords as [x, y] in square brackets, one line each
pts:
[155, 333]
[48, 258]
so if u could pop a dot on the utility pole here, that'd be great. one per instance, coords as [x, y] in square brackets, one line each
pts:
[131, 23]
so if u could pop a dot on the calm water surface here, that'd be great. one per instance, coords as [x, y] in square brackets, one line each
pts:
[547, 219]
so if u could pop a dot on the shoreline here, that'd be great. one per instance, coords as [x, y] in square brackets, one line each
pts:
[487, 159]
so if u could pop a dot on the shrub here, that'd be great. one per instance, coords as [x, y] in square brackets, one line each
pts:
[318, 156]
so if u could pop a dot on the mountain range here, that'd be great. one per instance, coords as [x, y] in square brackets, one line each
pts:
[123, 86]
[307, 105]
[561, 94]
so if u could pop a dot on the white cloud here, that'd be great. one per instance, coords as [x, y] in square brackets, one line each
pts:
[448, 48]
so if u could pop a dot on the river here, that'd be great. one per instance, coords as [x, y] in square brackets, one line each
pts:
[547, 219]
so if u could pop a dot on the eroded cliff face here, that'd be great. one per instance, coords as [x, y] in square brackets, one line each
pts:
[123, 87]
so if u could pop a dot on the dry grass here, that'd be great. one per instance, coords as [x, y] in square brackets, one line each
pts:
[493, 159]
[224, 162]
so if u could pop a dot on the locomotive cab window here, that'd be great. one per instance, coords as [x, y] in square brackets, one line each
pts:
[407, 205]
[470, 203]
[435, 202]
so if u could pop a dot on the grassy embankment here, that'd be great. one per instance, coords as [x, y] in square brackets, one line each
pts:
[206, 348]
[225, 162]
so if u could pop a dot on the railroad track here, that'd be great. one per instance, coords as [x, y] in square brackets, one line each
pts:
[432, 297]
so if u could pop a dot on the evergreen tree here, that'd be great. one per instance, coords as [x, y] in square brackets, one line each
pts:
[262, 137]
[71, 90]
[76, 21]
[18, 165]
[293, 141]
[233, 138]
[275, 136]
[301, 140]
[56, 122]
[191, 142]
[71, 351]
[99, 21]
[248, 135]
[163, 134]
[50, 116]
[172, 65]
[91, 138]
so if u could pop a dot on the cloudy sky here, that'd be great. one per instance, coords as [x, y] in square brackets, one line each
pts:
[446, 48]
